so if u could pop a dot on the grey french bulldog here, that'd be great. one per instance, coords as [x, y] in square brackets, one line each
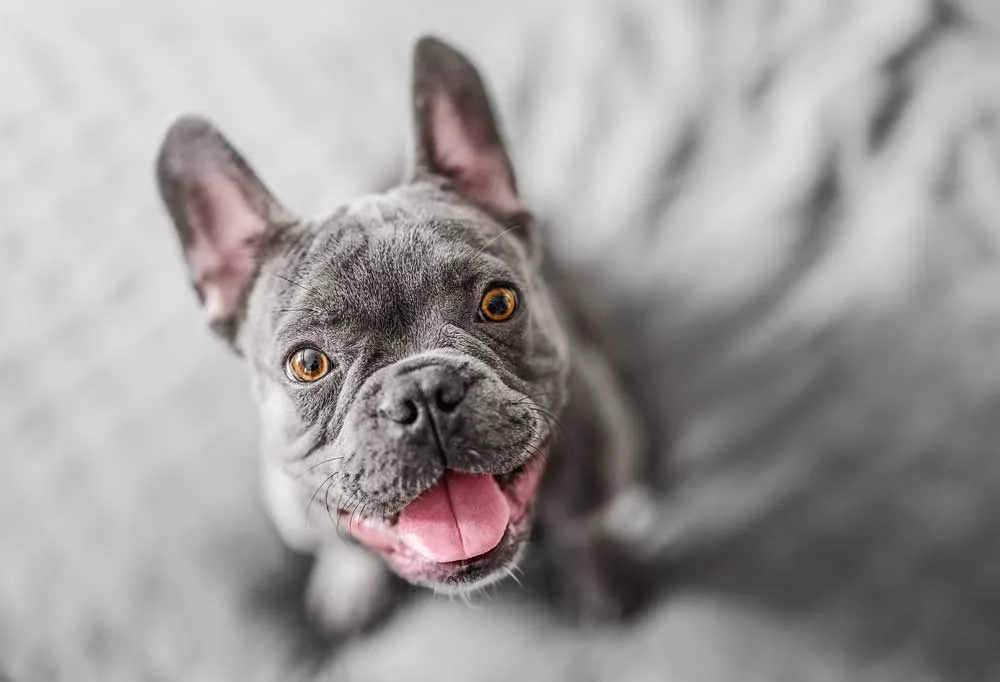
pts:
[424, 397]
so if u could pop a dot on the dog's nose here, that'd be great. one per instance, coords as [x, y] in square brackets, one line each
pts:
[432, 393]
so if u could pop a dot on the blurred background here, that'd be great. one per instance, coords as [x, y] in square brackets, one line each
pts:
[787, 215]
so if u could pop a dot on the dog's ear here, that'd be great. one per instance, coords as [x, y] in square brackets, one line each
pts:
[457, 135]
[222, 213]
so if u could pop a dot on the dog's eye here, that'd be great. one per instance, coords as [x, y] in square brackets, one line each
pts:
[498, 304]
[307, 365]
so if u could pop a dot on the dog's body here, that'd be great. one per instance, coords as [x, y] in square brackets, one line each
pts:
[416, 372]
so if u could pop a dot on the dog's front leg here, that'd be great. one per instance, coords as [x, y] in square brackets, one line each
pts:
[602, 572]
[349, 588]
[597, 507]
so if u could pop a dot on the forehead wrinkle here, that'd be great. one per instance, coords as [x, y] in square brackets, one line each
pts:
[468, 342]
[307, 305]
[354, 380]
[298, 309]
[379, 270]
[410, 258]
[334, 250]
[305, 282]
[299, 327]
[451, 262]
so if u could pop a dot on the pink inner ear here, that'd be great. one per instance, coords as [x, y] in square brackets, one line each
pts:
[221, 251]
[477, 167]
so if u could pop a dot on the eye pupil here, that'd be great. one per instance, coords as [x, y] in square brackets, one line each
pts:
[307, 364]
[311, 361]
[498, 304]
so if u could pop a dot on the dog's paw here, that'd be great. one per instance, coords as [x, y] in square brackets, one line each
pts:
[349, 590]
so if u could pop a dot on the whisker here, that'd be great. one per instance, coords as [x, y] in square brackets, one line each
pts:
[351, 514]
[315, 311]
[316, 492]
[317, 443]
[509, 570]
[467, 600]
[529, 396]
[543, 411]
[492, 241]
[478, 455]
[317, 465]
[336, 525]
[538, 434]
[326, 503]
[364, 511]
[554, 420]
[294, 283]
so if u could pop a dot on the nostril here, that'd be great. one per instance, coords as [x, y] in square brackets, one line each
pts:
[406, 412]
[446, 400]
[403, 411]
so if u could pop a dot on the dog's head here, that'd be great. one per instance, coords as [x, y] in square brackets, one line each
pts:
[406, 356]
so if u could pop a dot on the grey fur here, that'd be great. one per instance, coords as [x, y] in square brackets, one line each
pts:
[389, 287]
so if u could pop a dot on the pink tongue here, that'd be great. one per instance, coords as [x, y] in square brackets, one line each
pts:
[462, 516]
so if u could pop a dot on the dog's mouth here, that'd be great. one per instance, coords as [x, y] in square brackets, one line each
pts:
[465, 530]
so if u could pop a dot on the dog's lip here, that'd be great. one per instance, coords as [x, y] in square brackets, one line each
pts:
[379, 533]
[505, 479]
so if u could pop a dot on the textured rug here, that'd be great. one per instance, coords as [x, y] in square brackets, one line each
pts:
[788, 209]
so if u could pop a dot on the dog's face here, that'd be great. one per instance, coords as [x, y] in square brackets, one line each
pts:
[406, 356]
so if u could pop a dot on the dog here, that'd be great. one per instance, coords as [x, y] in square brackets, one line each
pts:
[427, 396]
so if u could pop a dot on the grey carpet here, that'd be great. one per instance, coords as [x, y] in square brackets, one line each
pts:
[826, 372]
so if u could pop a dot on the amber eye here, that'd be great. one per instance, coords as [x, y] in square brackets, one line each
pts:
[498, 304]
[307, 365]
